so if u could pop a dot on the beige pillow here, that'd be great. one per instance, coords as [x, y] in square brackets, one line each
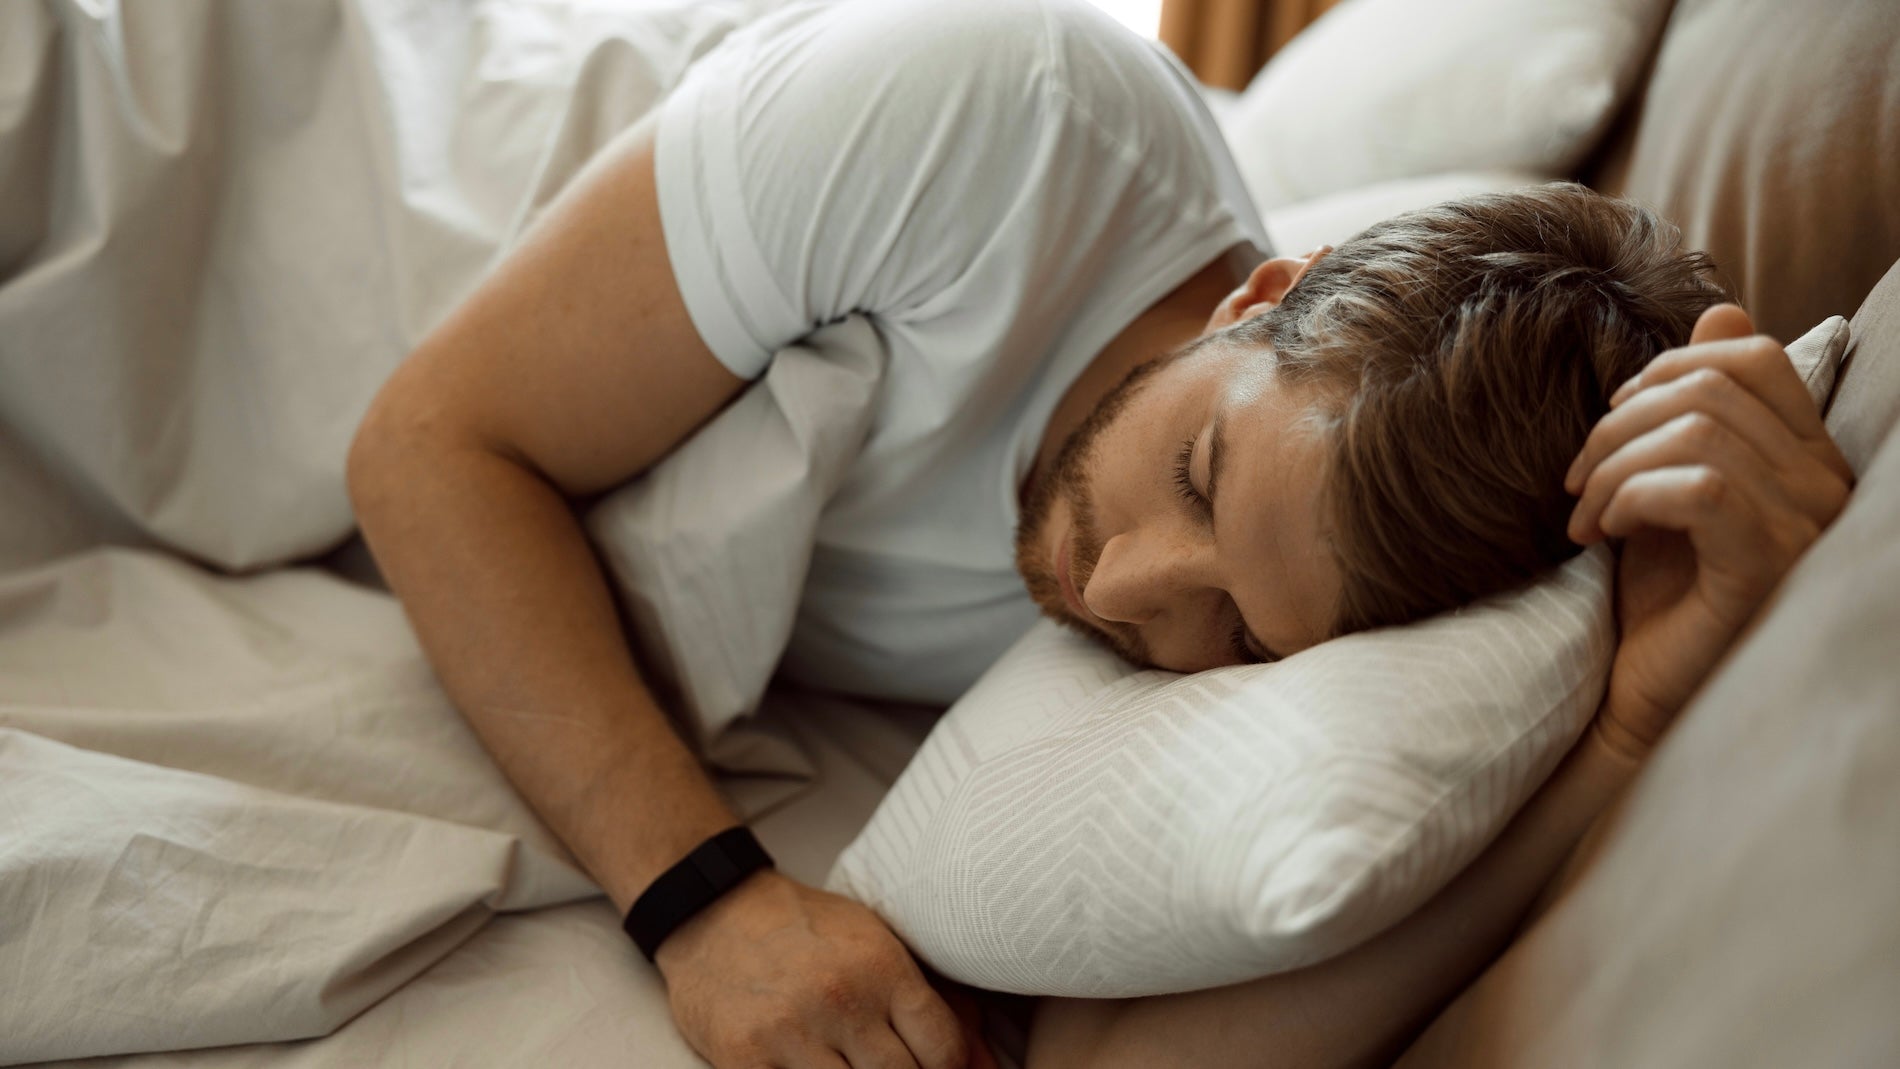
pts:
[1770, 131]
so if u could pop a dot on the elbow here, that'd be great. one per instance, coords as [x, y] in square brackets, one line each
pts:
[358, 462]
[365, 463]
[399, 449]
[379, 450]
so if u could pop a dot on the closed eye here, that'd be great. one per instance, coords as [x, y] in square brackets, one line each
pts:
[1183, 482]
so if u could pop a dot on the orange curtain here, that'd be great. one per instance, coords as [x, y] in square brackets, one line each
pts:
[1225, 41]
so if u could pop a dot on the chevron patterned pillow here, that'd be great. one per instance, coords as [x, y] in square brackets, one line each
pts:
[1074, 826]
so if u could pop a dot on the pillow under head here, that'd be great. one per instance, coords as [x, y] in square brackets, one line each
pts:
[1074, 826]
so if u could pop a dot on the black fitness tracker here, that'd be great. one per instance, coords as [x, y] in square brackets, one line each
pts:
[709, 871]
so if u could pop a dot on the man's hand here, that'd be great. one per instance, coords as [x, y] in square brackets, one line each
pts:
[778, 974]
[1715, 468]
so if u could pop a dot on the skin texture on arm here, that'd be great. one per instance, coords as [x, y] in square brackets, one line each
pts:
[572, 368]
[1716, 469]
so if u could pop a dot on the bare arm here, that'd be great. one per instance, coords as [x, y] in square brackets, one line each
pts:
[574, 367]
[530, 392]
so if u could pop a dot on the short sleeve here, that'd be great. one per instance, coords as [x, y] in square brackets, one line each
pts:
[918, 161]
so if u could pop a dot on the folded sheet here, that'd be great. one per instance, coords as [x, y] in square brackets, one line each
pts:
[241, 811]
[232, 810]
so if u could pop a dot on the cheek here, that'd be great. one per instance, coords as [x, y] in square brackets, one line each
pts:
[1126, 474]
[1191, 645]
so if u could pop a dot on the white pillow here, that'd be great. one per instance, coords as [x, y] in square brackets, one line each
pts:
[1384, 89]
[1074, 826]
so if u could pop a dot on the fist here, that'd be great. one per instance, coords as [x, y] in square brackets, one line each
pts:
[778, 974]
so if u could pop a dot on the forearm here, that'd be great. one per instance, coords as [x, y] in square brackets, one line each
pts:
[512, 609]
[1356, 1009]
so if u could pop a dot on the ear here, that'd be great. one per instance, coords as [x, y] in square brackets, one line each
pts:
[1265, 287]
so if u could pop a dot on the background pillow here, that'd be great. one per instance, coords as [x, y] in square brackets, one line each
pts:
[1383, 89]
[1076, 827]
[1770, 132]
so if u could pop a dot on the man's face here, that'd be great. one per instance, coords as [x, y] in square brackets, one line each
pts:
[1181, 522]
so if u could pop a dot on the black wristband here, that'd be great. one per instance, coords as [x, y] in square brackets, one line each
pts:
[691, 885]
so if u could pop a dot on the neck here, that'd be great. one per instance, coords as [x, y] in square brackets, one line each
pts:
[1168, 324]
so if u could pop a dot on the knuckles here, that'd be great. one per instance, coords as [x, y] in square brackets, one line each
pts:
[847, 979]
[1709, 386]
[1708, 488]
[1698, 429]
[912, 998]
[1796, 535]
[1763, 349]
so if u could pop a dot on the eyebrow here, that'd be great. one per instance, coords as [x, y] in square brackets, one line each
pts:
[1216, 450]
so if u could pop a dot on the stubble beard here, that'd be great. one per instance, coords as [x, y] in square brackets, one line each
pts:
[1067, 480]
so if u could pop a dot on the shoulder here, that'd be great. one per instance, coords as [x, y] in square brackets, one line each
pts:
[974, 55]
[883, 153]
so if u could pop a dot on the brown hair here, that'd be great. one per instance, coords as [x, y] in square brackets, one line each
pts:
[1459, 357]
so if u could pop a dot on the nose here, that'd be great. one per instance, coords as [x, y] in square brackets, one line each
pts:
[1142, 574]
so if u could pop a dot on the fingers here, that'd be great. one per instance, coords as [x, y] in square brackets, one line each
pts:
[879, 1048]
[929, 1027]
[1738, 555]
[1756, 363]
[1735, 434]
[1734, 404]
[1686, 498]
[969, 1013]
[1719, 321]
[835, 990]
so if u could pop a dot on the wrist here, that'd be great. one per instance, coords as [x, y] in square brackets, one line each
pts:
[708, 873]
[740, 911]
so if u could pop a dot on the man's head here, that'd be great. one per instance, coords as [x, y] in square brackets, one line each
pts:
[1383, 430]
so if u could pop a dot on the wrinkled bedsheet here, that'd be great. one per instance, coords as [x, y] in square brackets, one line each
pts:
[223, 222]
[241, 811]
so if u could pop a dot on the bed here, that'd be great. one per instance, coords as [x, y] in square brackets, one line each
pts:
[208, 701]
[244, 814]
[241, 823]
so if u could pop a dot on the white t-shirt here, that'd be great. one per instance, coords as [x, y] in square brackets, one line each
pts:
[1001, 187]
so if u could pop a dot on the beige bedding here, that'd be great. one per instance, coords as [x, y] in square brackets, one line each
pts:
[224, 223]
[241, 811]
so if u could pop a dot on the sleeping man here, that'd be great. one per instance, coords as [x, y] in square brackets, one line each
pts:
[1103, 400]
